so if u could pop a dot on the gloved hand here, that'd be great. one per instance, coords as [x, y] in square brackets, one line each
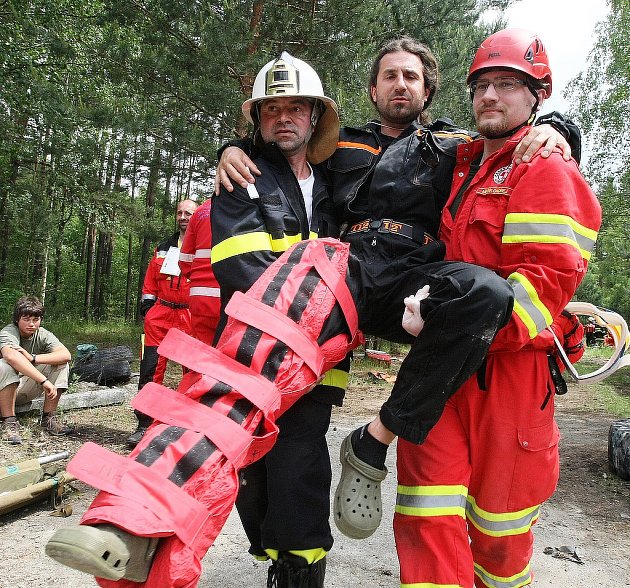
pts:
[145, 306]
[570, 332]
[412, 320]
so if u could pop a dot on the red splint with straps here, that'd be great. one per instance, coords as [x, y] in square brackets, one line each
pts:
[223, 415]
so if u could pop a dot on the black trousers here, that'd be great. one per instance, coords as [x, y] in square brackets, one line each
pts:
[284, 498]
[467, 306]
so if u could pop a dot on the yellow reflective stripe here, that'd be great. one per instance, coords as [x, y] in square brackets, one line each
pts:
[310, 555]
[501, 524]
[549, 228]
[249, 242]
[261, 557]
[281, 245]
[240, 244]
[336, 378]
[528, 306]
[431, 501]
[522, 578]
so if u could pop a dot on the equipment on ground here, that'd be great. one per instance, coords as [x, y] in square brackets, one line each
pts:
[28, 482]
[104, 367]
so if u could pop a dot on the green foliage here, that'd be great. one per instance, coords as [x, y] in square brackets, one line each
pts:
[72, 331]
[600, 99]
[112, 111]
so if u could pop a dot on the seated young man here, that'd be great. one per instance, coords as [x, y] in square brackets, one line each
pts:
[33, 362]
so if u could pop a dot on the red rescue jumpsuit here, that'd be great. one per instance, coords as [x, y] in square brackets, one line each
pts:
[468, 496]
[194, 262]
[170, 295]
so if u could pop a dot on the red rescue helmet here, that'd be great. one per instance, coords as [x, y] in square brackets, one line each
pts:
[516, 49]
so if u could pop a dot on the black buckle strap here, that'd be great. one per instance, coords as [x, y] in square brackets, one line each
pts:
[174, 305]
[388, 225]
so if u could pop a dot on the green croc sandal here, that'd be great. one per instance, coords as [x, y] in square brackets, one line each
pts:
[358, 506]
[104, 551]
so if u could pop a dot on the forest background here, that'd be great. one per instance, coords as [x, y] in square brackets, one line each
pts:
[112, 111]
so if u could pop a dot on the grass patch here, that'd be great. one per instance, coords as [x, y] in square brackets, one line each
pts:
[72, 332]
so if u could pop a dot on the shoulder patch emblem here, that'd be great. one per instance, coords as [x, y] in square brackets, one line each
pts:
[502, 173]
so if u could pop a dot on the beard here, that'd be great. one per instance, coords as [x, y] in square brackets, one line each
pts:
[402, 114]
[493, 129]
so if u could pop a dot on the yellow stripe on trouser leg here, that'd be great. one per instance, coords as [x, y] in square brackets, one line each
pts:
[309, 555]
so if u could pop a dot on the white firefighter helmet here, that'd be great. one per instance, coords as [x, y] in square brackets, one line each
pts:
[289, 76]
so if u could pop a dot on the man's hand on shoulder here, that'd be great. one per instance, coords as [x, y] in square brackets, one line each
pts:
[544, 138]
[234, 166]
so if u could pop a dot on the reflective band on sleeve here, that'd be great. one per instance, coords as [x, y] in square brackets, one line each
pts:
[274, 323]
[203, 291]
[203, 359]
[501, 524]
[431, 501]
[203, 253]
[250, 242]
[528, 306]
[336, 378]
[523, 578]
[137, 484]
[149, 297]
[173, 408]
[186, 257]
[549, 228]
[240, 244]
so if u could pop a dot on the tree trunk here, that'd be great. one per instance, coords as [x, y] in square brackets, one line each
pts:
[145, 250]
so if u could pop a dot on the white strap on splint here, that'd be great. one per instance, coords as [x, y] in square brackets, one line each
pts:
[618, 329]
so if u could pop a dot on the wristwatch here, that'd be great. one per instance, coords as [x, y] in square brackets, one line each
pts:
[33, 356]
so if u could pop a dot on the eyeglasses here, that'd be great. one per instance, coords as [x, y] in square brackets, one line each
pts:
[501, 85]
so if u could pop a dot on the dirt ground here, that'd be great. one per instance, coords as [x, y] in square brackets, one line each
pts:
[589, 515]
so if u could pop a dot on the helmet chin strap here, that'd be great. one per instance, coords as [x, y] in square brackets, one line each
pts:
[517, 128]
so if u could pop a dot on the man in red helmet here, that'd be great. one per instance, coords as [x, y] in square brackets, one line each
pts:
[469, 495]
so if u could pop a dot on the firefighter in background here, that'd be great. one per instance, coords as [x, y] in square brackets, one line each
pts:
[164, 305]
[194, 263]
[469, 495]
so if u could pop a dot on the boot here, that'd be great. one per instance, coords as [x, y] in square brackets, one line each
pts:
[292, 571]
[10, 428]
[54, 426]
[143, 424]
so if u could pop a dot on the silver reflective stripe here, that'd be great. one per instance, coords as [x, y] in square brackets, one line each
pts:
[431, 501]
[524, 232]
[521, 579]
[513, 526]
[149, 297]
[203, 253]
[526, 306]
[187, 257]
[203, 291]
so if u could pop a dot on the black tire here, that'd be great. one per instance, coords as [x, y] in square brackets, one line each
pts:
[619, 449]
[106, 367]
